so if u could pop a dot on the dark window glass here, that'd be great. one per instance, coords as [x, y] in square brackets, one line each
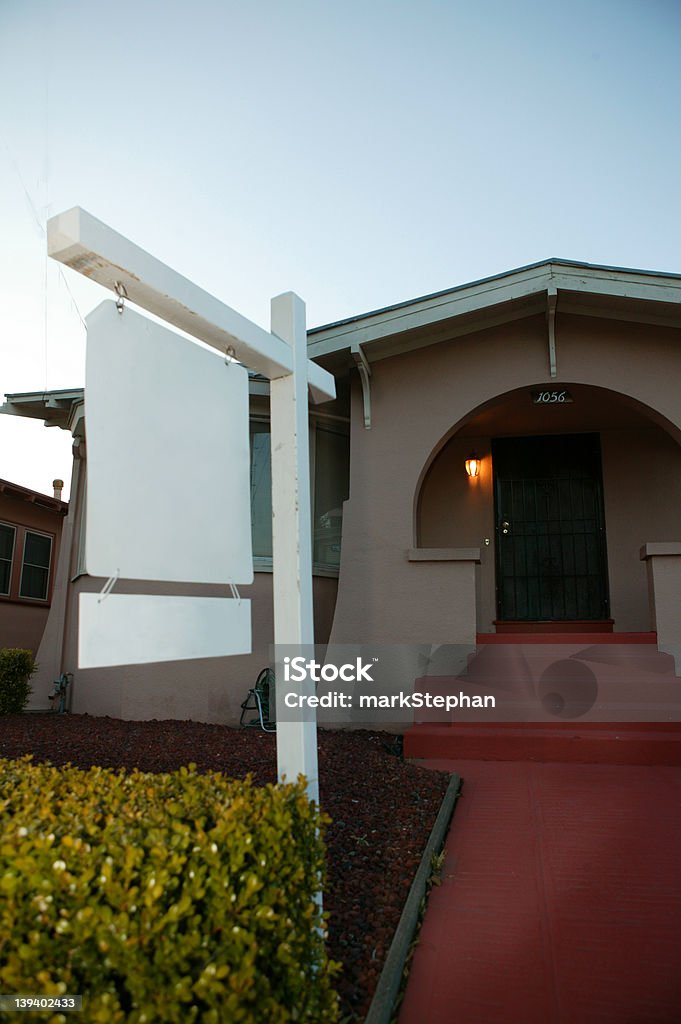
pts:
[35, 572]
[7, 534]
[261, 489]
[331, 481]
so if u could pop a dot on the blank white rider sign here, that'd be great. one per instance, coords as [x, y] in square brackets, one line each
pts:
[168, 493]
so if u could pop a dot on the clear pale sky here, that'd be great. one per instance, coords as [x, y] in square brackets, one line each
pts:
[358, 153]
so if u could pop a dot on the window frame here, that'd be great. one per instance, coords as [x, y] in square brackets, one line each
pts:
[334, 424]
[27, 597]
[17, 566]
[13, 527]
[331, 425]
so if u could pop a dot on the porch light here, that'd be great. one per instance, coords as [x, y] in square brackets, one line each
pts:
[473, 465]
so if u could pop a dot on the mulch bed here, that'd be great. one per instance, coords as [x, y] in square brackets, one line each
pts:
[382, 811]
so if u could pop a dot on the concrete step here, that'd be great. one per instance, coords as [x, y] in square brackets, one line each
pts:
[632, 743]
[560, 637]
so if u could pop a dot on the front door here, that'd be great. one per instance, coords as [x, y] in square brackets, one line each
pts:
[551, 557]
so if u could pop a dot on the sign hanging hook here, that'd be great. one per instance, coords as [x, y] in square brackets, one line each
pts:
[122, 294]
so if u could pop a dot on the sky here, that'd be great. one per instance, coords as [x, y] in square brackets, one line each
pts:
[357, 153]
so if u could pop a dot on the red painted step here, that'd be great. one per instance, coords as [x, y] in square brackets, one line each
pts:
[570, 626]
[623, 674]
[547, 637]
[646, 743]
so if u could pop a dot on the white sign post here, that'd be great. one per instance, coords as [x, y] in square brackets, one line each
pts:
[85, 244]
[292, 529]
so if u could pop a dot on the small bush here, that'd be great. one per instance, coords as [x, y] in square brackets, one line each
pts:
[162, 898]
[16, 668]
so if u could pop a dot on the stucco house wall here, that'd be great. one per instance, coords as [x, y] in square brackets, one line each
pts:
[421, 398]
[22, 621]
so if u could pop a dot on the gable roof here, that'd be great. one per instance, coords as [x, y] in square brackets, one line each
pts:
[613, 292]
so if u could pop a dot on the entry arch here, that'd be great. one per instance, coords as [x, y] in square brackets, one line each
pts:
[642, 484]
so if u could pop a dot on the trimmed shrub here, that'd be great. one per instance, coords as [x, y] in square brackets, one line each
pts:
[162, 898]
[16, 668]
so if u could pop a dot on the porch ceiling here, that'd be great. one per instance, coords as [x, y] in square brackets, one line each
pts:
[614, 293]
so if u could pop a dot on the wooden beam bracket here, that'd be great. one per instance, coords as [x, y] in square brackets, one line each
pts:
[364, 369]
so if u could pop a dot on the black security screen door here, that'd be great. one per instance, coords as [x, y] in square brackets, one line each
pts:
[551, 559]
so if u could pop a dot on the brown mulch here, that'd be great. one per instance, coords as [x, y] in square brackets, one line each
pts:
[382, 811]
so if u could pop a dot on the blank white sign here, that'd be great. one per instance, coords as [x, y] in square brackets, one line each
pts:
[168, 488]
[137, 629]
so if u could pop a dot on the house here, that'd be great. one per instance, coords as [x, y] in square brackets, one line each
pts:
[30, 534]
[502, 456]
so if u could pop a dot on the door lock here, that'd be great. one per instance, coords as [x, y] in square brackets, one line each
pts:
[505, 526]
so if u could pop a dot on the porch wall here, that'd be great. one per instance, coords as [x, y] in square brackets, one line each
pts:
[642, 489]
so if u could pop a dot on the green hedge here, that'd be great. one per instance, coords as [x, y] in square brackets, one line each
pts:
[162, 898]
[16, 668]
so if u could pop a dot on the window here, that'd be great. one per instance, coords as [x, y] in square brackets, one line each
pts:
[331, 479]
[261, 489]
[35, 570]
[330, 466]
[7, 538]
[29, 580]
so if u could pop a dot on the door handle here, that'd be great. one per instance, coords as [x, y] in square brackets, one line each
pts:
[505, 526]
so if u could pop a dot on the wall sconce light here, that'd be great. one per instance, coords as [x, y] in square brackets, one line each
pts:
[473, 465]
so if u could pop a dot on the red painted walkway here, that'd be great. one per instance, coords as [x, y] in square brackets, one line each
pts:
[560, 901]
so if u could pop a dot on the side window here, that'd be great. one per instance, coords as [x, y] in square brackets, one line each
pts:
[7, 541]
[330, 472]
[331, 482]
[261, 489]
[35, 569]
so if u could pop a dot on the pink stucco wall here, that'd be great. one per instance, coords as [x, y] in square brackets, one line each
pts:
[421, 398]
[22, 622]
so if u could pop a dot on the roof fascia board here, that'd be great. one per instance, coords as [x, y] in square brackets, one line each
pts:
[423, 314]
[627, 286]
[577, 279]
[52, 399]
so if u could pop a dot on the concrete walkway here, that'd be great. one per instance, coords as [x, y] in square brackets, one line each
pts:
[560, 901]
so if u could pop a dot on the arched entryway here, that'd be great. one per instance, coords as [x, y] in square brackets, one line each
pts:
[567, 494]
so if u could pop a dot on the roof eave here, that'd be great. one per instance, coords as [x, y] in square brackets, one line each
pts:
[485, 302]
[55, 408]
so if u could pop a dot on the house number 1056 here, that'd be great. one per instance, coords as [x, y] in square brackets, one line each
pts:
[551, 397]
